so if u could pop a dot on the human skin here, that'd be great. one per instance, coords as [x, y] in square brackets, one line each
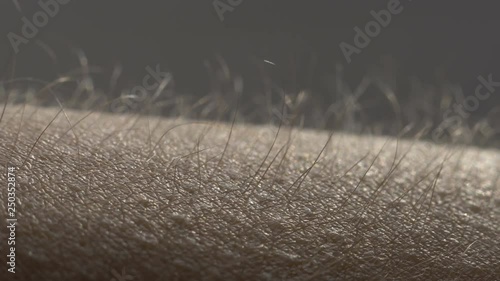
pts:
[103, 195]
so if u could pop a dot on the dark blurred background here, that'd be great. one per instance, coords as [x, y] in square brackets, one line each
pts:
[426, 48]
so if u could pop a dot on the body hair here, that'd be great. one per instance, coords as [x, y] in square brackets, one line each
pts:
[181, 199]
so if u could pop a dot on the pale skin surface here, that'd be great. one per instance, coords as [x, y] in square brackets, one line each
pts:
[112, 192]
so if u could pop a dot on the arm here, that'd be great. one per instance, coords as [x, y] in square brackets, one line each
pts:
[163, 201]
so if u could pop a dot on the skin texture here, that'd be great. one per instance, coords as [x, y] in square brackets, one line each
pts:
[163, 199]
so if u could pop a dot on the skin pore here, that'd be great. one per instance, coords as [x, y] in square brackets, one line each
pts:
[164, 199]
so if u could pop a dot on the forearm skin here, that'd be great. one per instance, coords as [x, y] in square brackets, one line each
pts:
[100, 193]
